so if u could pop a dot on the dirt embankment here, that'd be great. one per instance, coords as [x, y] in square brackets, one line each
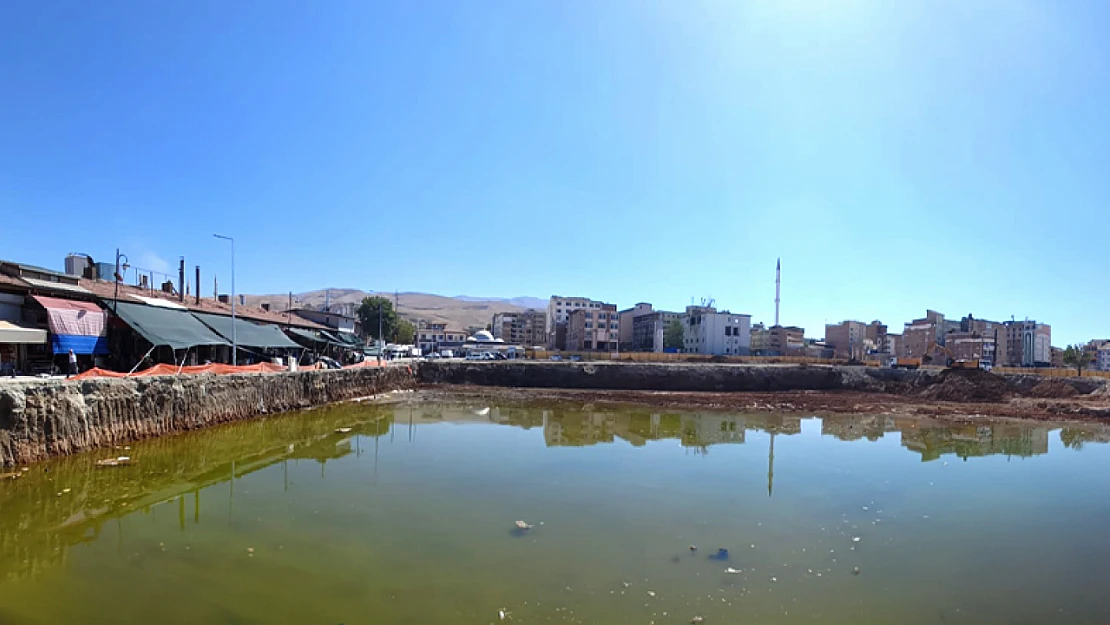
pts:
[56, 417]
[785, 388]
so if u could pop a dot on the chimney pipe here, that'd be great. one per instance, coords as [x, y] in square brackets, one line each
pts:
[198, 285]
[181, 280]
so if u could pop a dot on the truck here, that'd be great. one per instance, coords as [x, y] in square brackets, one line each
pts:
[905, 363]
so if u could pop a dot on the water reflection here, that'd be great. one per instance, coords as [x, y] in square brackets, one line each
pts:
[71, 501]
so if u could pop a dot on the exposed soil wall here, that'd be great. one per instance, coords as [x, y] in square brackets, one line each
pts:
[669, 377]
[52, 417]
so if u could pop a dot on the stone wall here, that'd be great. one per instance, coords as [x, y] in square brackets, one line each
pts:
[41, 418]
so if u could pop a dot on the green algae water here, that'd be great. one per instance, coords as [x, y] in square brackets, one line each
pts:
[638, 516]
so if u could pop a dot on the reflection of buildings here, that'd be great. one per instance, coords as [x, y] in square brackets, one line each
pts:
[851, 428]
[971, 440]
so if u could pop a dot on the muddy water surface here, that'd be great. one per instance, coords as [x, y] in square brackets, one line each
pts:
[409, 518]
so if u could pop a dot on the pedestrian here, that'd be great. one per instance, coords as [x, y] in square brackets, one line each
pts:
[72, 364]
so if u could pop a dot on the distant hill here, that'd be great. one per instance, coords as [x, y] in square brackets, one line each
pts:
[523, 302]
[459, 312]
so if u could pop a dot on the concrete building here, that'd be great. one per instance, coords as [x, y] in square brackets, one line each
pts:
[1102, 359]
[641, 328]
[559, 310]
[528, 328]
[848, 339]
[334, 320]
[1029, 344]
[787, 341]
[877, 334]
[627, 316]
[921, 337]
[436, 336]
[760, 340]
[893, 347]
[716, 333]
[593, 329]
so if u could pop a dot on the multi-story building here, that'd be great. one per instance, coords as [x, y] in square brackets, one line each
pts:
[627, 316]
[893, 347]
[1058, 358]
[877, 334]
[436, 336]
[786, 341]
[593, 329]
[644, 328]
[1028, 344]
[528, 328]
[1102, 360]
[716, 333]
[921, 337]
[760, 340]
[848, 339]
[559, 310]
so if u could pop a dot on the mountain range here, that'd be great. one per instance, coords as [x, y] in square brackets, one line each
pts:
[459, 312]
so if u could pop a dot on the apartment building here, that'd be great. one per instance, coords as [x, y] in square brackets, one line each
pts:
[921, 337]
[848, 339]
[893, 347]
[760, 340]
[527, 328]
[558, 312]
[1102, 360]
[644, 327]
[787, 341]
[433, 336]
[591, 329]
[716, 333]
[626, 317]
[1029, 344]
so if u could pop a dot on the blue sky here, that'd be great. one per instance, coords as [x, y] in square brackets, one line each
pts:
[896, 155]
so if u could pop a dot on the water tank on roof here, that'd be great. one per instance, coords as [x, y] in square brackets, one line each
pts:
[104, 271]
[76, 264]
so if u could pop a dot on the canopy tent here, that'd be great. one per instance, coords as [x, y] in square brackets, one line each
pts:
[15, 334]
[247, 333]
[348, 339]
[80, 326]
[164, 326]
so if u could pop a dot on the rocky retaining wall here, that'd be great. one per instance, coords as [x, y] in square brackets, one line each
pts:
[670, 377]
[41, 418]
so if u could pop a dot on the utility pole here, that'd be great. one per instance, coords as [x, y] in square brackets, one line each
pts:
[234, 341]
[381, 340]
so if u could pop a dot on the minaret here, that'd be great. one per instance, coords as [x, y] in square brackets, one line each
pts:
[778, 283]
[771, 465]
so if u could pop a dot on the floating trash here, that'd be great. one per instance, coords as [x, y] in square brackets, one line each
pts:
[732, 571]
[342, 430]
[722, 554]
[698, 619]
[521, 525]
[114, 462]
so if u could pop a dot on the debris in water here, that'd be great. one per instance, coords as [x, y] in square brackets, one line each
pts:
[856, 539]
[693, 547]
[732, 571]
[722, 554]
[342, 430]
[250, 551]
[651, 593]
[114, 462]
[521, 525]
[503, 614]
[855, 570]
[698, 619]
[10, 476]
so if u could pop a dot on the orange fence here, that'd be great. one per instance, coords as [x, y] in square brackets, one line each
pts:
[217, 369]
[1051, 373]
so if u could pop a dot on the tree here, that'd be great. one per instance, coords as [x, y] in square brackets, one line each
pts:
[1077, 356]
[673, 335]
[368, 312]
[404, 332]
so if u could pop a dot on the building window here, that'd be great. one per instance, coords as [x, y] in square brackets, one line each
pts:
[589, 324]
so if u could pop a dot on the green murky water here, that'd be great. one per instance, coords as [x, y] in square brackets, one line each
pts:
[409, 518]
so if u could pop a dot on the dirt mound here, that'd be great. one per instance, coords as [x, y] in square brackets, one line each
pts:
[1053, 389]
[968, 385]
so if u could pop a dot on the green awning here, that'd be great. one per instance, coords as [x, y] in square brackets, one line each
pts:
[247, 333]
[165, 326]
[349, 339]
[306, 335]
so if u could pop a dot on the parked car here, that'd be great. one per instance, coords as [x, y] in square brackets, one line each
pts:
[576, 358]
[556, 358]
[476, 356]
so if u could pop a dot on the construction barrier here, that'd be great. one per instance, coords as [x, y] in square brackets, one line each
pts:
[217, 369]
[1050, 372]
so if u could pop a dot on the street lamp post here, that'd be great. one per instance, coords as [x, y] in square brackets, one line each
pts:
[119, 276]
[234, 342]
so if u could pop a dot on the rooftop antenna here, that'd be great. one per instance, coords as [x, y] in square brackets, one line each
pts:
[778, 283]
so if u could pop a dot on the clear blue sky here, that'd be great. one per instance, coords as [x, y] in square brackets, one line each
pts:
[896, 155]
